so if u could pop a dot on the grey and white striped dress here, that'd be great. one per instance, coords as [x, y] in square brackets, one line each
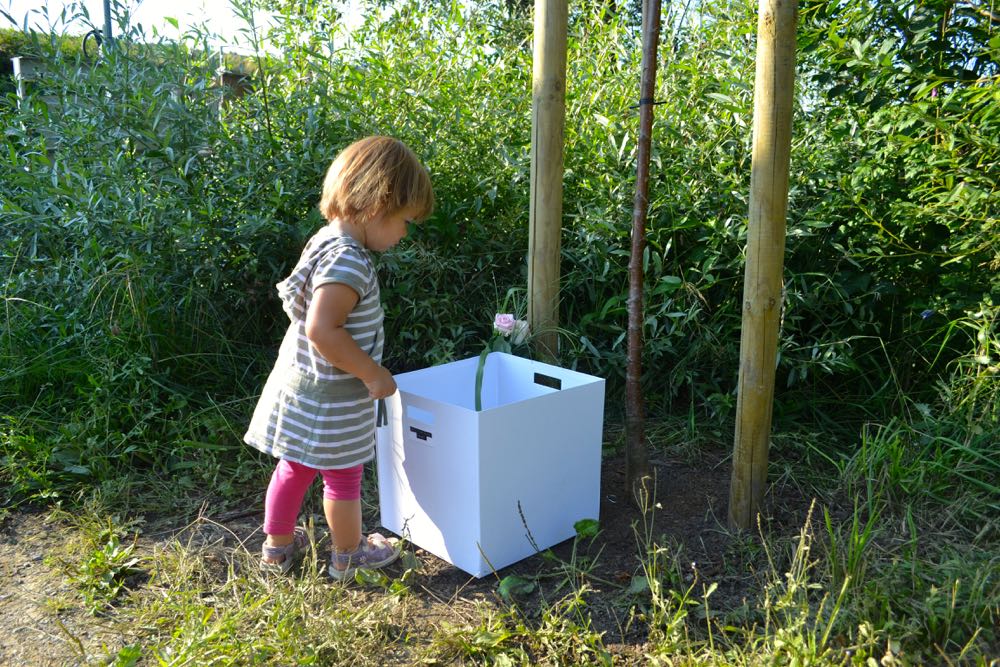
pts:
[311, 412]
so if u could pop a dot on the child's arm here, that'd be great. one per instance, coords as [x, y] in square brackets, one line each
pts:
[328, 311]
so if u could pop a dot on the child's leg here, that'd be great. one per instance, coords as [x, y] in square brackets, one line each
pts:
[342, 505]
[288, 487]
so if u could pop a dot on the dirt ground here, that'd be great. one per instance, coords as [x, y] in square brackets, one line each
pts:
[38, 627]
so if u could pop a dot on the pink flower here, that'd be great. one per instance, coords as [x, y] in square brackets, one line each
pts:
[504, 323]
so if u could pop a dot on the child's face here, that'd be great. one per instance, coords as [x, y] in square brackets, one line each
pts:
[387, 230]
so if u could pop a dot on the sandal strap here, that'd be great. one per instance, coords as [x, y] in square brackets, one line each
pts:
[346, 556]
[299, 542]
[277, 552]
[374, 549]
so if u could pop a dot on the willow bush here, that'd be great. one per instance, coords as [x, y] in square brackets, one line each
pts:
[134, 261]
[145, 227]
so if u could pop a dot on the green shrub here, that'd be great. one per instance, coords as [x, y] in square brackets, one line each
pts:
[144, 227]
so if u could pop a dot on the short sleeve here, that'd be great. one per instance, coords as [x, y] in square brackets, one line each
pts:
[344, 265]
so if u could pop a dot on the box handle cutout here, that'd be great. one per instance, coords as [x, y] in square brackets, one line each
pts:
[417, 414]
[421, 433]
[548, 381]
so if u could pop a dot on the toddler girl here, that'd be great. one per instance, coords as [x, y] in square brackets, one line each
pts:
[317, 410]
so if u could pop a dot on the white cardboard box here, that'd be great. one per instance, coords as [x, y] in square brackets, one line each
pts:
[469, 486]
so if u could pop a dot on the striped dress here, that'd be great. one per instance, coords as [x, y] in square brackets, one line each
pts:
[311, 412]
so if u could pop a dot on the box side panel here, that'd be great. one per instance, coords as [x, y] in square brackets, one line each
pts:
[540, 471]
[522, 379]
[428, 477]
[453, 383]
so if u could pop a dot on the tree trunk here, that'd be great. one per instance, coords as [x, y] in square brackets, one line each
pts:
[637, 478]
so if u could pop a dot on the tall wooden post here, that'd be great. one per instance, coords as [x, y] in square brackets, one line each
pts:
[772, 135]
[545, 213]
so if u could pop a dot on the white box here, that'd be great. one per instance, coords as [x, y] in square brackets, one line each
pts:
[464, 485]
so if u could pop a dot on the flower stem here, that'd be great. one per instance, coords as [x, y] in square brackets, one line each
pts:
[479, 378]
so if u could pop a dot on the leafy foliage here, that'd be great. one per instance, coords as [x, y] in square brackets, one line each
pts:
[161, 237]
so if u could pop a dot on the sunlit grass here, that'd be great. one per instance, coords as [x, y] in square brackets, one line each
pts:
[862, 588]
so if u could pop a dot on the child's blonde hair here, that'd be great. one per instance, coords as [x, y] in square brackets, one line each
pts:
[376, 176]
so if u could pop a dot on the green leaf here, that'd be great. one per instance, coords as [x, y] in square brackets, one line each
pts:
[590, 346]
[367, 577]
[638, 586]
[487, 639]
[128, 656]
[410, 561]
[512, 585]
[479, 378]
[398, 588]
[725, 100]
[587, 527]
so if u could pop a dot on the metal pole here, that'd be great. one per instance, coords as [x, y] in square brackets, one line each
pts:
[107, 23]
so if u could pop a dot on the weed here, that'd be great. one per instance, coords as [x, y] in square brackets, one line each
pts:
[847, 549]
[100, 560]
[102, 575]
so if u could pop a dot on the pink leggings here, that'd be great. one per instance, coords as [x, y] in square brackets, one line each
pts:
[288, 487]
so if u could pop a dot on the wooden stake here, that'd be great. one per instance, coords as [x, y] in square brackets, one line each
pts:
[637, 486]
[762, 299]
[545, 213]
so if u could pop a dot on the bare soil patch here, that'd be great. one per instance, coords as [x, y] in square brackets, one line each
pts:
[37, 624]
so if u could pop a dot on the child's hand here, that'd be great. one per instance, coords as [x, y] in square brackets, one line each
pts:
[381, 385]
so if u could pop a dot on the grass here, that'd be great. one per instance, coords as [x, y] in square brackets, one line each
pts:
[202, 603]
[896, 563]
[863, 581]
